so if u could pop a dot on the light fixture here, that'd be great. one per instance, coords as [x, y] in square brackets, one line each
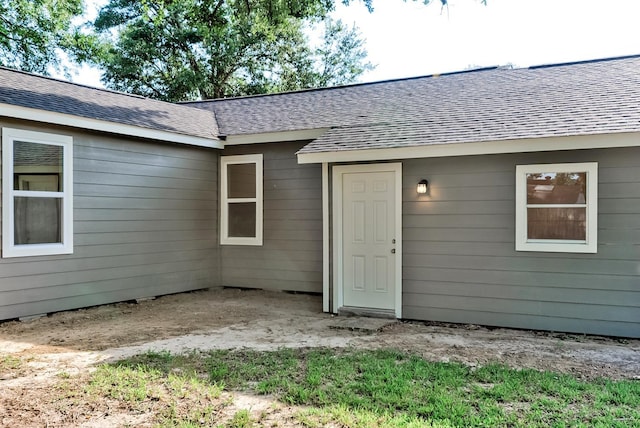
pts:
[422, 186]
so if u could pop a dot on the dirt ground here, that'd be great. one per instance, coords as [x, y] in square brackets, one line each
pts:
[73, 342]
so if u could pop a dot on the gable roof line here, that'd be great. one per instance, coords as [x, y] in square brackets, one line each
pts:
[29, 96]
[405, 79]
[81, 85]
[584, 61]
[64, 119]
[331, 88]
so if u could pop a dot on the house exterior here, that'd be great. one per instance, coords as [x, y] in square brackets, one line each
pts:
[530, 216]
[128, 185]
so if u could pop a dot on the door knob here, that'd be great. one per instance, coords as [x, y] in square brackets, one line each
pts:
[393, 251]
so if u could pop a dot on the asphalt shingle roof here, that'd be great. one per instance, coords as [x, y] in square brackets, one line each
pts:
[32, 91]
[591, 97]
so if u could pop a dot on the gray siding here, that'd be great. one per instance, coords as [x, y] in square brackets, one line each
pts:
[459, 261]
[145, 224]
[291, 255]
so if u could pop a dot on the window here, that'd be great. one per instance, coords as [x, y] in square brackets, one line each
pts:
[37, 193]
[556, 207]
[241, 185]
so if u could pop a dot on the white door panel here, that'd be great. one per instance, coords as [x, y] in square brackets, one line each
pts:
[368, 228]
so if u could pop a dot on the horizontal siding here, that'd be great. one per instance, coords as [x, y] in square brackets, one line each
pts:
[90, 214]
[541, 307]
[90, 177]
[524, 264]
[90, 282]
[107, 226]
[459, 261]
[138, 192]
[555, 294]
[149, 286]
[622, 251]
[145, 224]
[291, 255]
[303, 285]
[171, 238]
[139, 170]
[506, 319]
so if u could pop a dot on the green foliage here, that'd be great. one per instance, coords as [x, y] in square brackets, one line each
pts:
[199, 49]
[187, 49]
[32, 31]
[369, 4]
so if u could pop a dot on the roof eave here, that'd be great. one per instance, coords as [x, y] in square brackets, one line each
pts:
[45, 116]
[553, 143]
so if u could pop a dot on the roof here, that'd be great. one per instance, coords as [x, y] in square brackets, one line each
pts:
[104, 110]
[583, 98]
[479, 106]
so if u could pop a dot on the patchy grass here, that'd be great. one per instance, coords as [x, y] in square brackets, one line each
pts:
[9, 363]
[324, 387]
[173, 387]
[11, 366]
[358, 388]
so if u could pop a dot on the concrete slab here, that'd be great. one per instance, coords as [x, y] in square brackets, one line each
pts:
[362, 324]
[351, 311]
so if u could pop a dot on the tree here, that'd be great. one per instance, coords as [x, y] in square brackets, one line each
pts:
[179, 50]
[31, 32]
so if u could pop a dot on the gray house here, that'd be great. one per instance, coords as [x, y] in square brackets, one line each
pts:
[496, 196]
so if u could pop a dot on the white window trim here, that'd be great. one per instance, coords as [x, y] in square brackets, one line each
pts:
[590, 245]
[9, 248]
[225, 239]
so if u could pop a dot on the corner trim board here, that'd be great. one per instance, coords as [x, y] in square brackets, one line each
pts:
[325, 238]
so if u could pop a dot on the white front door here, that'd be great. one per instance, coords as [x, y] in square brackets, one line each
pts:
[368, 236]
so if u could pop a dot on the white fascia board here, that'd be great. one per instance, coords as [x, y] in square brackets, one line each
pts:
[65, 119]
[545, 144]
[274, 137]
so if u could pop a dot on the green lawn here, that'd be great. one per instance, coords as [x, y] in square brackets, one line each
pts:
[356, 388]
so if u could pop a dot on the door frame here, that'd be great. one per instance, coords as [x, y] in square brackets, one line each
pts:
[338, 269]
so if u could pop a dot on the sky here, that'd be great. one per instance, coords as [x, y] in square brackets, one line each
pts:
[406, 39]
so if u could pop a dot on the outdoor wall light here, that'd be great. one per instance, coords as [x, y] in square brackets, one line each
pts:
[422, 186]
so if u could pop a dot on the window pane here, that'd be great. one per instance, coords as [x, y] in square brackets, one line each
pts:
[241, 180]
[557, 223]
[37, 220]
[557, 188]
[37, 167]
[242, 220]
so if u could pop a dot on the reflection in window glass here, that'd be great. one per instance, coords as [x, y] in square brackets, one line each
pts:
[37, 167]
[557, 207]
[545, 221]
[242, 220]
[557, 223]
[557, 188]
[37, 220]
[241, 180]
